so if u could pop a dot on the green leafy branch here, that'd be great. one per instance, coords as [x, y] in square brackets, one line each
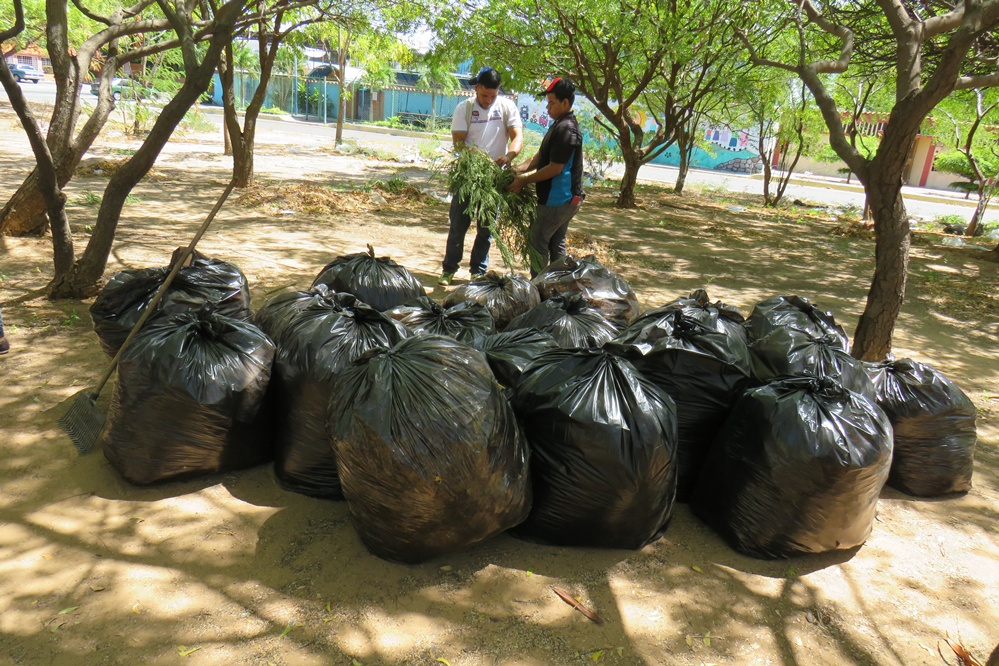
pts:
[473, 177]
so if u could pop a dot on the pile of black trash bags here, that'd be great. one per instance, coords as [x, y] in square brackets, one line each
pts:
[553, 407]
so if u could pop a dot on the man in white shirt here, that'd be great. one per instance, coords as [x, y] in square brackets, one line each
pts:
[492, 124]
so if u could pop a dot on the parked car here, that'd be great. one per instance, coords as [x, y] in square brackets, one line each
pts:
[26, 73]
[125, 88]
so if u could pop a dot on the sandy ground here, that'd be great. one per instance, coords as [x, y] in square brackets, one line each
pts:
[231, 569]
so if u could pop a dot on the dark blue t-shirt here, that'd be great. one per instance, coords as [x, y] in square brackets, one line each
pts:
[563, 144]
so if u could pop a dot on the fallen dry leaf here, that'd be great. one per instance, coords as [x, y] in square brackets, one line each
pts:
[568, 598]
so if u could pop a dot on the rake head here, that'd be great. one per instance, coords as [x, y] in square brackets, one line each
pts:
[83, 421]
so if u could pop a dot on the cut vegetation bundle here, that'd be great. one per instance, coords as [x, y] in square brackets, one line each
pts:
[473, 177]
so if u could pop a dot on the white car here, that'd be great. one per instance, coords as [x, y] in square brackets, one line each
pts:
[26, 73]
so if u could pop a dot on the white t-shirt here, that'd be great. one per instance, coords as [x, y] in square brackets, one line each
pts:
[489, 127]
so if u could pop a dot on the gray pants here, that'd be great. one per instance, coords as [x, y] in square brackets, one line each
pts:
[548, 235]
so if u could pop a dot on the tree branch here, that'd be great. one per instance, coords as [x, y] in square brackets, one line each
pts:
[97, 18]
[979, 81]
[841, 31]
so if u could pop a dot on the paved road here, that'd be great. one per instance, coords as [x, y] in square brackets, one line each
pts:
[921, 203]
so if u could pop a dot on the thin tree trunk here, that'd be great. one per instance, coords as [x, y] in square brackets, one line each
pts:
[787, 170]
[872, 341]
[632, 163]
[55, 200]
[765, 158]
[24, 214]
[242, 163]
[84, 278]
[683, 142]
[341, 62]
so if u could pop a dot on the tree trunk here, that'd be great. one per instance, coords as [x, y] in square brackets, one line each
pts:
[768, 175]
[244, 141]
[632, 163]
[341, 109]
[787, 169]
[84, 278]
[683, 140]
[681, 175]
[872, 341]
[54, 199]
[974, 228]
[24, 213]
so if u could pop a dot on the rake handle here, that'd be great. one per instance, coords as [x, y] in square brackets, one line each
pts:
[158, 296]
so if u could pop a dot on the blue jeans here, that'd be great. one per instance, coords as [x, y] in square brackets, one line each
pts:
[460, 221]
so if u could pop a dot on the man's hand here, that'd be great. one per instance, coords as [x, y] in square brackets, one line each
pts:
[517, 185]
[505, 160]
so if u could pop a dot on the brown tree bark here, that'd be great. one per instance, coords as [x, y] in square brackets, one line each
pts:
[24, 213]
[341, 107]
[54, 199]
[632, 163]
[883, 185]
[243, 139]
[84, 278]
[685, 145]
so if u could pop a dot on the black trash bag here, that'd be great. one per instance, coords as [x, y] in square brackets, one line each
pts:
[587, 277]
[721, 316]
[377, 281]
[282, 309]
[189, 400]
[464, 321]
[570, 319]
[430, 454]
[797, 468]
[934, 425]
[317, 342]
[701, 367]
[123, 300]
[510, 352]
[603, 451]
[797, 313]
[788, 352]
[505, 296]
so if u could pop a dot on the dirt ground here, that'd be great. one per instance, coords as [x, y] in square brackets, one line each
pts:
[232, 569]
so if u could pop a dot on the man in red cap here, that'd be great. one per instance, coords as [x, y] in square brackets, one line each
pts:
[557, 168]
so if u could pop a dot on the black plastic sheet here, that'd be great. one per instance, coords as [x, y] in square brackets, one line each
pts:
[505, 296]
[797, 468]
[570, 319]
[377, 281]
[934, 426]
[463, 321]
[601, 287]
[315, 343]
[700, 365]
[205, 281]
[603, 451]
[430, 454]
[190, 399]
[510, 352]
[798, 313]
[788, 352]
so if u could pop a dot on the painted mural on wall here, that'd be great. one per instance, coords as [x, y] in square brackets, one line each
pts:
[730, 149]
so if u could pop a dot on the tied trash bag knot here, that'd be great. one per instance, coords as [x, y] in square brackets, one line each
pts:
[684, 327]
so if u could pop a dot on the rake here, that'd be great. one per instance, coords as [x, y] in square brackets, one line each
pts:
[83, 421]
